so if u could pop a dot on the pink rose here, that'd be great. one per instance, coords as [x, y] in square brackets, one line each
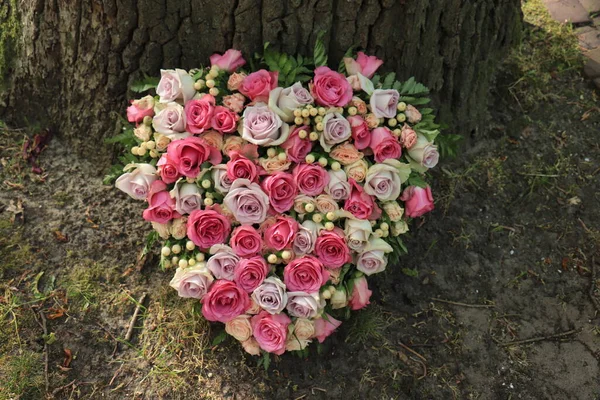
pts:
[167, 169]
[417, 201]
[297, 149]
[251, 272]
[281, 189]
[137, 183]
[408, 137]
[360, 294]
[331, 249]
[281, 233]
[412, 114]
[259, 84]
[230, 61]
[161, 207]
[270, 331]
[222, 262]
[385, 145]
[330, 88]
[224, 120]
[325, 326]
[384, 102]
[207, 227]
[224, 301]
[305, 274]
[139, 109]
[189, 153]
[235, 102]
[311, 179]
[360, 204]
[175, 85]
[247, 202]
[234, 82]
[246, 241]
[198, 113]
[239, 167]
[364, 64]
[360, 132]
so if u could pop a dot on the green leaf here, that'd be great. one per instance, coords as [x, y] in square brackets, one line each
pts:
[150, 240]
[449, 144]
[389, 80]
[147, 83]
[412, 87]
[417, 180]
[220, 338]
[410, 272]
[320, 53]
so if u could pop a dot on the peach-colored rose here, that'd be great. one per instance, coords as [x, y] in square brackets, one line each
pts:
[304, 329]
[162, 141]
[179, 228]
[232, 143]
[326, 203]
[295, 344]
[334, 275]
[274, 164]
[354, 82]
[301, 200]
[239, 328]
[408, 137]
[143, 132]
[251, 346]
[372, 121]
[213, 138]
[235, 80]
[234, 102]
[357, 170]
[360, 105]
[393, 210]
[162, 229]
[346, 154]
[254, 308]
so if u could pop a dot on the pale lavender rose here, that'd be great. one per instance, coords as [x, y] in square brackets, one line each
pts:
[358, 232]
[384, 102]
[263, 127]
[303, 305]
[412, 114]
[170, 121]
[271, 295]
[137, 183]
[338, 187]
[247, 202]
[187, 198]
[175, 85]
[306, 237]
[336, 129]
[223, 262]
[192, 282]
[373, 259]
[424, 152]
[285, 101]
[221, 178]
[383, 180]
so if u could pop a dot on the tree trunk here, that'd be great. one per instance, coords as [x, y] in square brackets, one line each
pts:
[74, 59]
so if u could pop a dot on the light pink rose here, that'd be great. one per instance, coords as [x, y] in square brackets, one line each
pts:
[234, 82]
[207, 227]
[171, 121]
[222, 262]
[246, 241]
[338, 187]
[224, 301]
[270, 331]
[365, 65]
[373, 259]
[383, 181]
[251, 347]
[360, 204]
[330, 88]
[198, 114]
[412, 114]
[235, 102]
[271, 295]
[137, 183]
[224, 120]
[230, 61]
[239, 167]
[141, 108]
[167, 169]
[280, 234]
[326, 204]
[251, 272]
[311, 179]
[259, 84]
[187, 198]
[281, 189]
[306, 237]
[384, 102]
[305, 274]
[385, 145]
[175, 85]
[161, 207]
[297, 149]
[424, 152]
[325, 326]
[360, 294]
[188, 155]
[331, 249]
[303, 305]
[285, 101]
[417, 201]
[408, 137]
[247, 202]
[239, 328]
[360, 132]
[336, 129]
[192, 282]
[213, 139]
[263, 127]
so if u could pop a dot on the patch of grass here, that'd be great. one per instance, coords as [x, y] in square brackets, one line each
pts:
[368, 325]
[21, 376]
[62, 198]
[14, 252]
[85, 285]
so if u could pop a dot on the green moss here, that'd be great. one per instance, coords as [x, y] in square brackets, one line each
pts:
[21, 376]
[9, 30]
[14, 252]
[62, 198]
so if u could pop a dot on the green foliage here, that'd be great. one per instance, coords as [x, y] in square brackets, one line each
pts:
[145, 84]
[320, 52]
[416, 179]
[10, 28]
[265, 360]
[389, 81]
[448, 144]
[399, 249]
[291, 69]
[413, 273]
[21, 375]
[411, 88]
[126, 140]
[220, 338]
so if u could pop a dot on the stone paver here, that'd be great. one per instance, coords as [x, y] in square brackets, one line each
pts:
[592, 65]
[591, 6]
[590, 39]
[567, 10]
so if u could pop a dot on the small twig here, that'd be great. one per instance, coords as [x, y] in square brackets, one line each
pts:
[44, 327]
[464, 304]
[405, 347]
[134, 318]
[541, 338]
[58, 389]
[115, 375]
[540, 175]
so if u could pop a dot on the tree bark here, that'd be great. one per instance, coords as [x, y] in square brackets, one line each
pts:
[76, 58]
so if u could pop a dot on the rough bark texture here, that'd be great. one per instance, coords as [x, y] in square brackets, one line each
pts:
[77, 57]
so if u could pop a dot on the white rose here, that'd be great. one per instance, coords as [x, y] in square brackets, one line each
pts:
[263, 127]
[357, 233]
[383, 181]
[295, 344]
[424, 153]
[304, 328]
[175, 85]
[164, 230]
[339, 299]
[285, 101]
[192, 282]
[220, 178]
[137, 183]
[179, 228]
[399, 228]
[303, 305]
[393, 210]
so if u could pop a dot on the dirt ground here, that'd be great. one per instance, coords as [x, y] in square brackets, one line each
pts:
[499, 297]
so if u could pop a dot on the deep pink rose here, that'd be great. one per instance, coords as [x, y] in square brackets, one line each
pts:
[207, 227]
[360, 132]
[161, 207]
[331, 249]
[242, 168]
[330, 88]
[251, 272]
[385, 145]
[305, 274]
[270, 331]
[325, 326]
[297, 149]
[259, 84]
[281, 189]
[229, 61]
[224, 301]
[280, 234]
[167, 169]
[360, 204]
[199, 113]
[224, 120]
[364, 64]
[246, 241]
[311, 179]
[189, 153]
[139, 109]
[360, 294]
[417, 201]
